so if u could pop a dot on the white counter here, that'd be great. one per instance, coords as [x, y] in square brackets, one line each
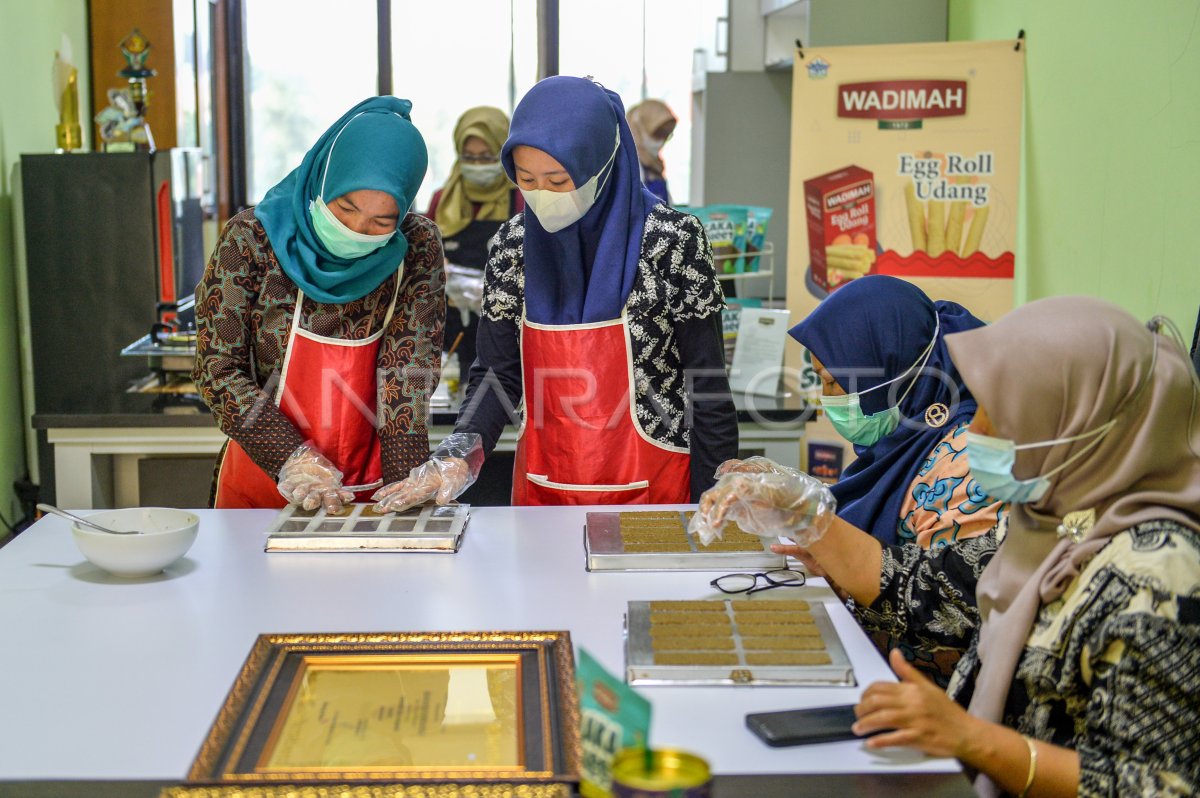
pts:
[102, 678]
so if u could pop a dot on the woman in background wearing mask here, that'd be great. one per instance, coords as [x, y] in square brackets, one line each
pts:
[888, 386]
[319, 322]
[476, 199]
[652, 123]
[602, 313]
[1081, 663]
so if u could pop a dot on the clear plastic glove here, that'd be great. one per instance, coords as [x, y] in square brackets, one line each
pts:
[753, 465]
[311, 481]
[464, 287]
[452, 469]
[769, 505]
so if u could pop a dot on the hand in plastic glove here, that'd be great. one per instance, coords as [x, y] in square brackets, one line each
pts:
[311, 481]
[753, 465]
[452, 469]
[768, 505]
[464, 287]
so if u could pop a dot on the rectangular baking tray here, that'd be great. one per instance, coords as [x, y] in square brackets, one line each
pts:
[429, 528]
[641, 670]
[605, 552]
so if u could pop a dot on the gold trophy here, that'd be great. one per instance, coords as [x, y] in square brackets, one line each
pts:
[68, 132]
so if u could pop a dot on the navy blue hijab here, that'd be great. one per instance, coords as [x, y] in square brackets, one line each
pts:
[869, 331]
[584, 272]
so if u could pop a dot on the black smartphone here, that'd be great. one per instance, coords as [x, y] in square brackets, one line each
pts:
[801, 726]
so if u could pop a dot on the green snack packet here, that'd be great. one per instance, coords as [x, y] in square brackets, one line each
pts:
[725, 226]
[756, 233]
[612, 717]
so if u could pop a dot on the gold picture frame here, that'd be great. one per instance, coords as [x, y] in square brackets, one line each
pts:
[432, 710]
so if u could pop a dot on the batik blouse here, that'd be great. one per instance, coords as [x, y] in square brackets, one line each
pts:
[244, 310]
[944, 504]
[1111, 668]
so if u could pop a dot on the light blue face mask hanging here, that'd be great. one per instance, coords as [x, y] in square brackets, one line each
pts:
[991, 461]
[845, 412]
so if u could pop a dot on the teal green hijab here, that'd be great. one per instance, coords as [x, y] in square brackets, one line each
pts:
[373, 146]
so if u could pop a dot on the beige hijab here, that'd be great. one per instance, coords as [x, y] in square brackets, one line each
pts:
[456, 209]
[1052, 369]
[645, 118]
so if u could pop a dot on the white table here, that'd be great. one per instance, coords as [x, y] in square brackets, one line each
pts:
[103, 678]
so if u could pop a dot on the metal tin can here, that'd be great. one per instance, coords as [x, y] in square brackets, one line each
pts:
[672, 774]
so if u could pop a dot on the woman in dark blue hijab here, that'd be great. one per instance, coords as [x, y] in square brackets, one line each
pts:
[883, 339]
[602, 314]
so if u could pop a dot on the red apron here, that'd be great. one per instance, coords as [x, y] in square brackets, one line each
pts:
[581, 442]
[328, 390]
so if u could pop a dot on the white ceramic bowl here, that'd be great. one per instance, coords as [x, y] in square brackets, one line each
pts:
[165, 536]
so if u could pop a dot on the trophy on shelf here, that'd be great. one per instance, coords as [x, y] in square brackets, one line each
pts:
[123, 126]
[68, 133]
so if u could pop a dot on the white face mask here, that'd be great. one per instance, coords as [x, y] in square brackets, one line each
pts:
[653, 145]
[556, 210]
[481, 174]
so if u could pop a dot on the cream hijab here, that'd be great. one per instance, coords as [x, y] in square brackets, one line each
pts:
[645, 118]
[1052, 369]
[456, 209]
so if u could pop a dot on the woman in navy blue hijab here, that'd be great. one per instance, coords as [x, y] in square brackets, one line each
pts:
[602, 313]
[881, 340]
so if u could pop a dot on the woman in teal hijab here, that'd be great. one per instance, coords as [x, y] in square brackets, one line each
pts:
[319, 322]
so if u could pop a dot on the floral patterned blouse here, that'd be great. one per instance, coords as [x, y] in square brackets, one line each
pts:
[244, 310]
[944, 504]
[681, 393]
[1111, 668]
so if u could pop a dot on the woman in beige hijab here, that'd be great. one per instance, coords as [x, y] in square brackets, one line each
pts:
[475, 200]
[1081, 665]
[651, 122]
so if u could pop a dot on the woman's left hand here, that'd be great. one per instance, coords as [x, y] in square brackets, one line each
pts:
[917, 712]
[803, 555]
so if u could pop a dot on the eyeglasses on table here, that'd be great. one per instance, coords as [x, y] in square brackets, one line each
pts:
[749, 583]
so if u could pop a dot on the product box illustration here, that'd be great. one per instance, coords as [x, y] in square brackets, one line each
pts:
[840, 211]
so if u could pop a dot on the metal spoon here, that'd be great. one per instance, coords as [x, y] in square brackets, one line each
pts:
[49, 508]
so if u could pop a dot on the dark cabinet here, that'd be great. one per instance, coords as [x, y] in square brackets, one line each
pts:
[108, 238]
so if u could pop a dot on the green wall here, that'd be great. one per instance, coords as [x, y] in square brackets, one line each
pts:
[1111, 183]
[30, 33]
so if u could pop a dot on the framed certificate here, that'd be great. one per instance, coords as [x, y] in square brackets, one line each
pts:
[412, 708]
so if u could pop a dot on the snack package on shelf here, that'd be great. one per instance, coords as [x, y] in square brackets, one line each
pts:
[756, 233]
[725, 226]
[736, 233]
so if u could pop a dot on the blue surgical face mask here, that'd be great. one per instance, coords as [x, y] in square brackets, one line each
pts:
[991, 461]
[847, 417]
[845, 412]
[340, 240]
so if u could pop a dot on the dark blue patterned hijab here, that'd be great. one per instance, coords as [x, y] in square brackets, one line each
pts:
[870, 331]
[584, 272]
